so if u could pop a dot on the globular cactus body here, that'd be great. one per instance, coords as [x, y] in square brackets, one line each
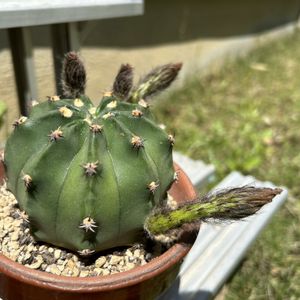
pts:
[100, 167]
[88, 176]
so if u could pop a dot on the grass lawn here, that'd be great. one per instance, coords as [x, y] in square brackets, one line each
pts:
[246, 117]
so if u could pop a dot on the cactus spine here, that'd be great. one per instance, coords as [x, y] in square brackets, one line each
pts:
[88, 176]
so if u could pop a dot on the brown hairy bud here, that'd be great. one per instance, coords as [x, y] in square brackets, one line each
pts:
[123, 82]
[156, 81]
[240, 202]
[73, 76]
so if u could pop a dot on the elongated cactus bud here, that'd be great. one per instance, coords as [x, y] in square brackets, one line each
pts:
[88, 176]
[223, 205]
[155, 81]
[123, 82]
[73, 76]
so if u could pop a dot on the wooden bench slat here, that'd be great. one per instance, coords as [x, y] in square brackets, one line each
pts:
[15, 13]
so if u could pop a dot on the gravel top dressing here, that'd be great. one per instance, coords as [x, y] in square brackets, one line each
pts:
[17, 244]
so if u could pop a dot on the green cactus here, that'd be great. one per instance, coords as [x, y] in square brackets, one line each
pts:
[88, 176]
[92, 178]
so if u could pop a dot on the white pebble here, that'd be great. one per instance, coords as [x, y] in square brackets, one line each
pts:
[100, 261]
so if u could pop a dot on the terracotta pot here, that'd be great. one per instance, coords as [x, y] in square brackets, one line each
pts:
[18, 282]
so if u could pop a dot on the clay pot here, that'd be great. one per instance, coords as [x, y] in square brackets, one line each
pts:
[18, 282]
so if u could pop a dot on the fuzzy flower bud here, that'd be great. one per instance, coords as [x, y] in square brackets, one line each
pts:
[223, 205]
[73, 76]
[156, 81]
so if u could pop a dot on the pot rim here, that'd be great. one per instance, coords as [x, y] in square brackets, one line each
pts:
[102, 283]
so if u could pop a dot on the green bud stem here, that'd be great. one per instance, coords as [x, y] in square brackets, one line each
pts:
[226, 204]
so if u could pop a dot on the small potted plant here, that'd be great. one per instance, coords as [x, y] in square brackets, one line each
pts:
[90, 179]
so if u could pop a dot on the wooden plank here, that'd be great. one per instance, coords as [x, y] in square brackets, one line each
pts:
[14, 13]
[22, 55]
[219, 249]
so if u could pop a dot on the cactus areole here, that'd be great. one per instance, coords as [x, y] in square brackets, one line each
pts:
[89, 176]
